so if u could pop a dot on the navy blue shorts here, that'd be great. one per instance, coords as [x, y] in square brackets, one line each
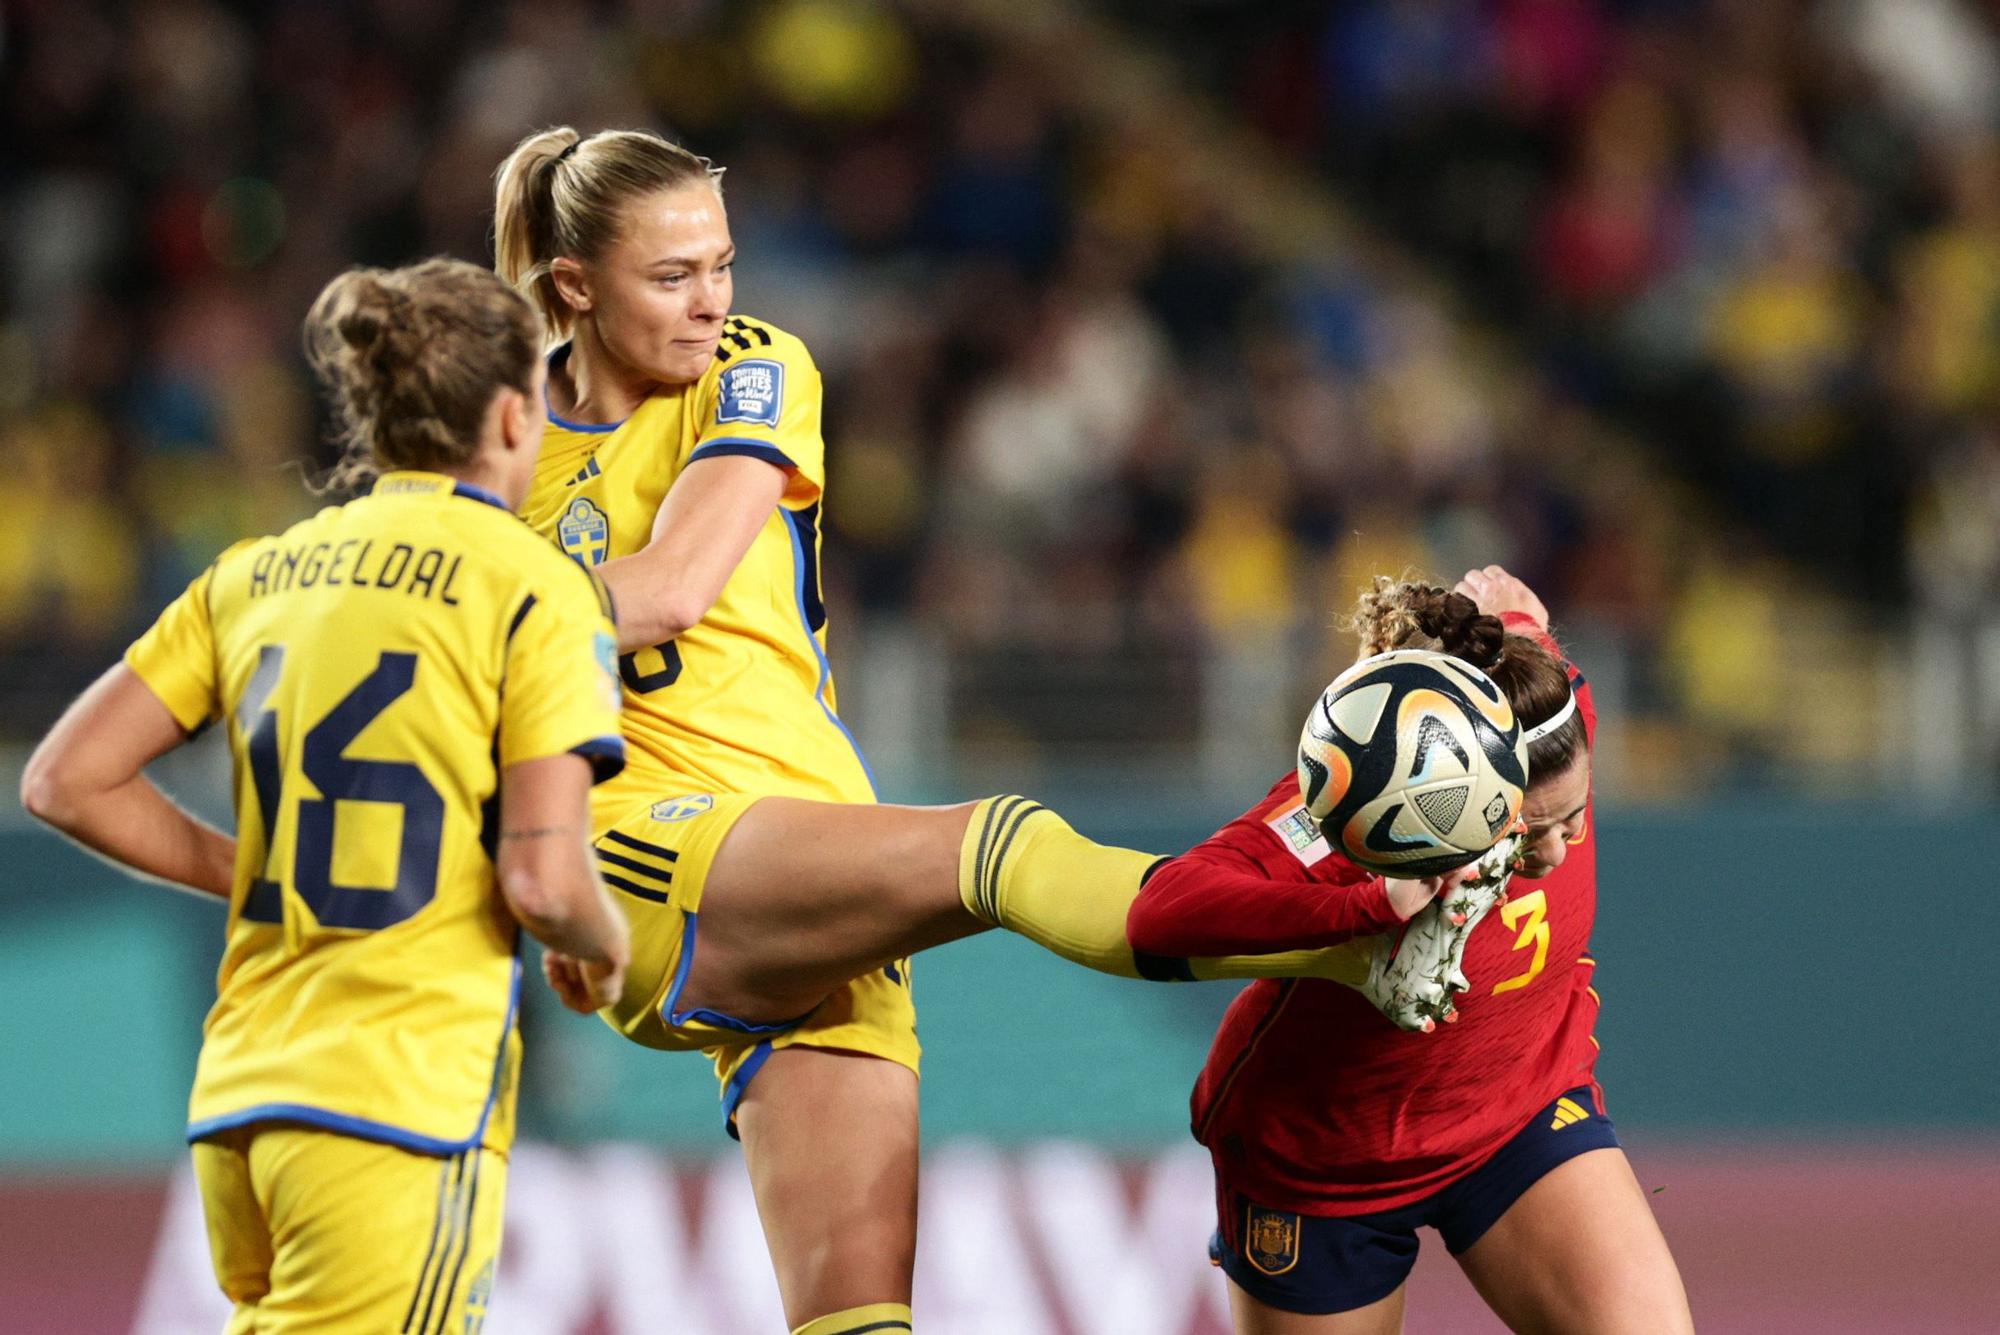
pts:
[1316, 1264]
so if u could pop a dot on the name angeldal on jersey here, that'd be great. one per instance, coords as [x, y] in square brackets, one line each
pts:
[421, 573]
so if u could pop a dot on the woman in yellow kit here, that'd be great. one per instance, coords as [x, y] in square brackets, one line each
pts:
[417, 694]
[684, 464]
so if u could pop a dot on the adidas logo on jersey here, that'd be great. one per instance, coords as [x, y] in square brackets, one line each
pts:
[1568, 1113]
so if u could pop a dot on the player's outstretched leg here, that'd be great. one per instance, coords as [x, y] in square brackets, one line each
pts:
[1024, 869]
[802, 896]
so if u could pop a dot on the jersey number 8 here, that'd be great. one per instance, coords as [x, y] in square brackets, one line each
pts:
[339, 778]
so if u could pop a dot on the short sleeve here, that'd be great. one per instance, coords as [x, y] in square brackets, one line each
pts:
[560, 695]
[761, 398]
[176, 657]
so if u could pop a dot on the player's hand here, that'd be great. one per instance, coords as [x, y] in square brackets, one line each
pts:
[1415, 974]
[585, 986]
[1408, 898]
[1498, 592]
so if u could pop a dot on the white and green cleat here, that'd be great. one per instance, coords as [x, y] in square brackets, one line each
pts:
[1413, 977]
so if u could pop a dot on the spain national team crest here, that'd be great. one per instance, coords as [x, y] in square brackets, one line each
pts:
[1272, 1240]
[682, 808]
[584, 532]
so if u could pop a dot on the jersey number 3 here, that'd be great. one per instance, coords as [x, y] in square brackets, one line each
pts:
[1534, 907]
[339, 778]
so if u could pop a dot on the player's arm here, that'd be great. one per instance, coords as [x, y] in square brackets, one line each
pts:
[1206, 902]
[1503, 595]
[558, 735]
[550, 881]
[710, 516]
[87, 779]
[759, 447]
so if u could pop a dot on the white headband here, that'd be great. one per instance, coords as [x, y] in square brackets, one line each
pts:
[1552, 722]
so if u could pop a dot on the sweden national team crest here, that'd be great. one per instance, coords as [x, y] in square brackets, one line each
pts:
[682, 808]
[477, 1298]
[752, 392]
[1271, 1242]
[584, 532]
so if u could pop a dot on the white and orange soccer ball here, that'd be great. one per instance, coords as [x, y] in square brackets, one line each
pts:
[1413, 763]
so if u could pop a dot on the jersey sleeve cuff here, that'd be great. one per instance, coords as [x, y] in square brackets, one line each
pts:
[1377, 910]
[748, 448]
[605, 754]
[188, 704]
[1520, 623]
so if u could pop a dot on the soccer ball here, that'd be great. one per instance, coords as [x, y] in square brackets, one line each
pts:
[1413, 763]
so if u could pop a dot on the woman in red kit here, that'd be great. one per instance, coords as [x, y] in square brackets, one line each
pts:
[1336, 1135]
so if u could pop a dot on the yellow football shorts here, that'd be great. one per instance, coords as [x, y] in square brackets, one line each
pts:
[656, 858]
[312, 1230]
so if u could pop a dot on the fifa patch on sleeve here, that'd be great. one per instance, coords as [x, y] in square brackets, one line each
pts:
[605, 649]
[1301, 834]
[752, 392]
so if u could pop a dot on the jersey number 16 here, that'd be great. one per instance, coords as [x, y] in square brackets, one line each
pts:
[339, 778]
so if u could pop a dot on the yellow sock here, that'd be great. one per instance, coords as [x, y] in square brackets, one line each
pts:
[1344, 963]
[873, 1317]
[1023, 868]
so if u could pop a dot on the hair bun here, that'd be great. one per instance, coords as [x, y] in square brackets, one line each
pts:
[413, 357]
[1464, 631]
[373, 311]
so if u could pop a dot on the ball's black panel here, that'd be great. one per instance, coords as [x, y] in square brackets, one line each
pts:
[1382, 839]
[1316, 777]
[1432, 733]
[1443, 806]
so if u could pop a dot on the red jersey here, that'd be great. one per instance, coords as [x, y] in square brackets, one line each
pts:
[1314, 1103]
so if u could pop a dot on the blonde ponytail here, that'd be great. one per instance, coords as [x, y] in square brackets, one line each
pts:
[561, 195]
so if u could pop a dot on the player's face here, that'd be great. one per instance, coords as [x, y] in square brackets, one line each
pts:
[659, 295]
[1554, 815]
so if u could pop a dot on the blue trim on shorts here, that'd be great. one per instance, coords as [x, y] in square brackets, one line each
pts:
[702, 1015]
[819, 651]
[1340, 1263]
[739, 1085]
[362, 1128]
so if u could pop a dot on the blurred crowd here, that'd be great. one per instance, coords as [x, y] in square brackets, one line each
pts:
[1766, 233]
[1085, 398]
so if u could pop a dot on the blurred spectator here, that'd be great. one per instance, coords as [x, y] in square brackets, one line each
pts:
[1088, 393]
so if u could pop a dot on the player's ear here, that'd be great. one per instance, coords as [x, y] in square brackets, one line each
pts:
[572, 284]
[519, 429]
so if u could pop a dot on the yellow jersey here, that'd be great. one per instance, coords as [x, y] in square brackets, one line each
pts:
[744, 701]
[378, 665]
